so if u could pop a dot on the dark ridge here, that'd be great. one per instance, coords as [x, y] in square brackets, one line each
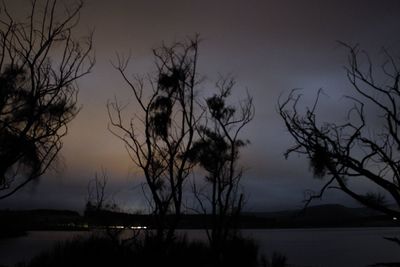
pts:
[17, 222]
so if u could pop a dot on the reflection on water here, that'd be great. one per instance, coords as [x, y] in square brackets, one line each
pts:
[345, 247]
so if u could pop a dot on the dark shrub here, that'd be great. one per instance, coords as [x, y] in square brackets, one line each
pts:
[102, 251]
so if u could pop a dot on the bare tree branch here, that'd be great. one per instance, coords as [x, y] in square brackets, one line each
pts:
[354, 149]
[159, 140]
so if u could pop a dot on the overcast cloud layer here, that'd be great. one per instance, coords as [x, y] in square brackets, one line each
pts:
[269, 46]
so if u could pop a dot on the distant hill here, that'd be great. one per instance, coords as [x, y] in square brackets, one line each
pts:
[39, 212]
[314, 216]
[327, 210]
[40, 219]
[330, 215]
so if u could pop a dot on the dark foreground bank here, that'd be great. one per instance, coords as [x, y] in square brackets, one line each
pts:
[102, 250]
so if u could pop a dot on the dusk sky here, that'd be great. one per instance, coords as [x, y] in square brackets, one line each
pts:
[270, 47]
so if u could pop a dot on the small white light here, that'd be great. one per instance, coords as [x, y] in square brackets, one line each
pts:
[394, 218]
[138, 227]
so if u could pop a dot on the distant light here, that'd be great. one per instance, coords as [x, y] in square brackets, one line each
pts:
[118, 227]
[394, 218]
[138, 227]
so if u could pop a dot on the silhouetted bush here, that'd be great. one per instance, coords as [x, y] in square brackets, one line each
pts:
[93, 251]
[277, 260]
[102, 251]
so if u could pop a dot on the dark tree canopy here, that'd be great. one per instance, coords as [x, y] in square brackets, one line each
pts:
[40, 62]
[363, 148]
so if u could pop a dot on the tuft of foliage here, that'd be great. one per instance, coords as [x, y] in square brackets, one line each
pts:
[319, 161]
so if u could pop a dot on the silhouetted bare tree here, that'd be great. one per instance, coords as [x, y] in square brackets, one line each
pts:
[40, 62]
[366, 146]
[158, 140]
[96, 193]
[217, 151]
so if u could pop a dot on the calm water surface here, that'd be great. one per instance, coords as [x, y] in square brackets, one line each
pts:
[332, 247]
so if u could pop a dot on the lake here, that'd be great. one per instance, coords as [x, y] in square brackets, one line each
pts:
[318, 247]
